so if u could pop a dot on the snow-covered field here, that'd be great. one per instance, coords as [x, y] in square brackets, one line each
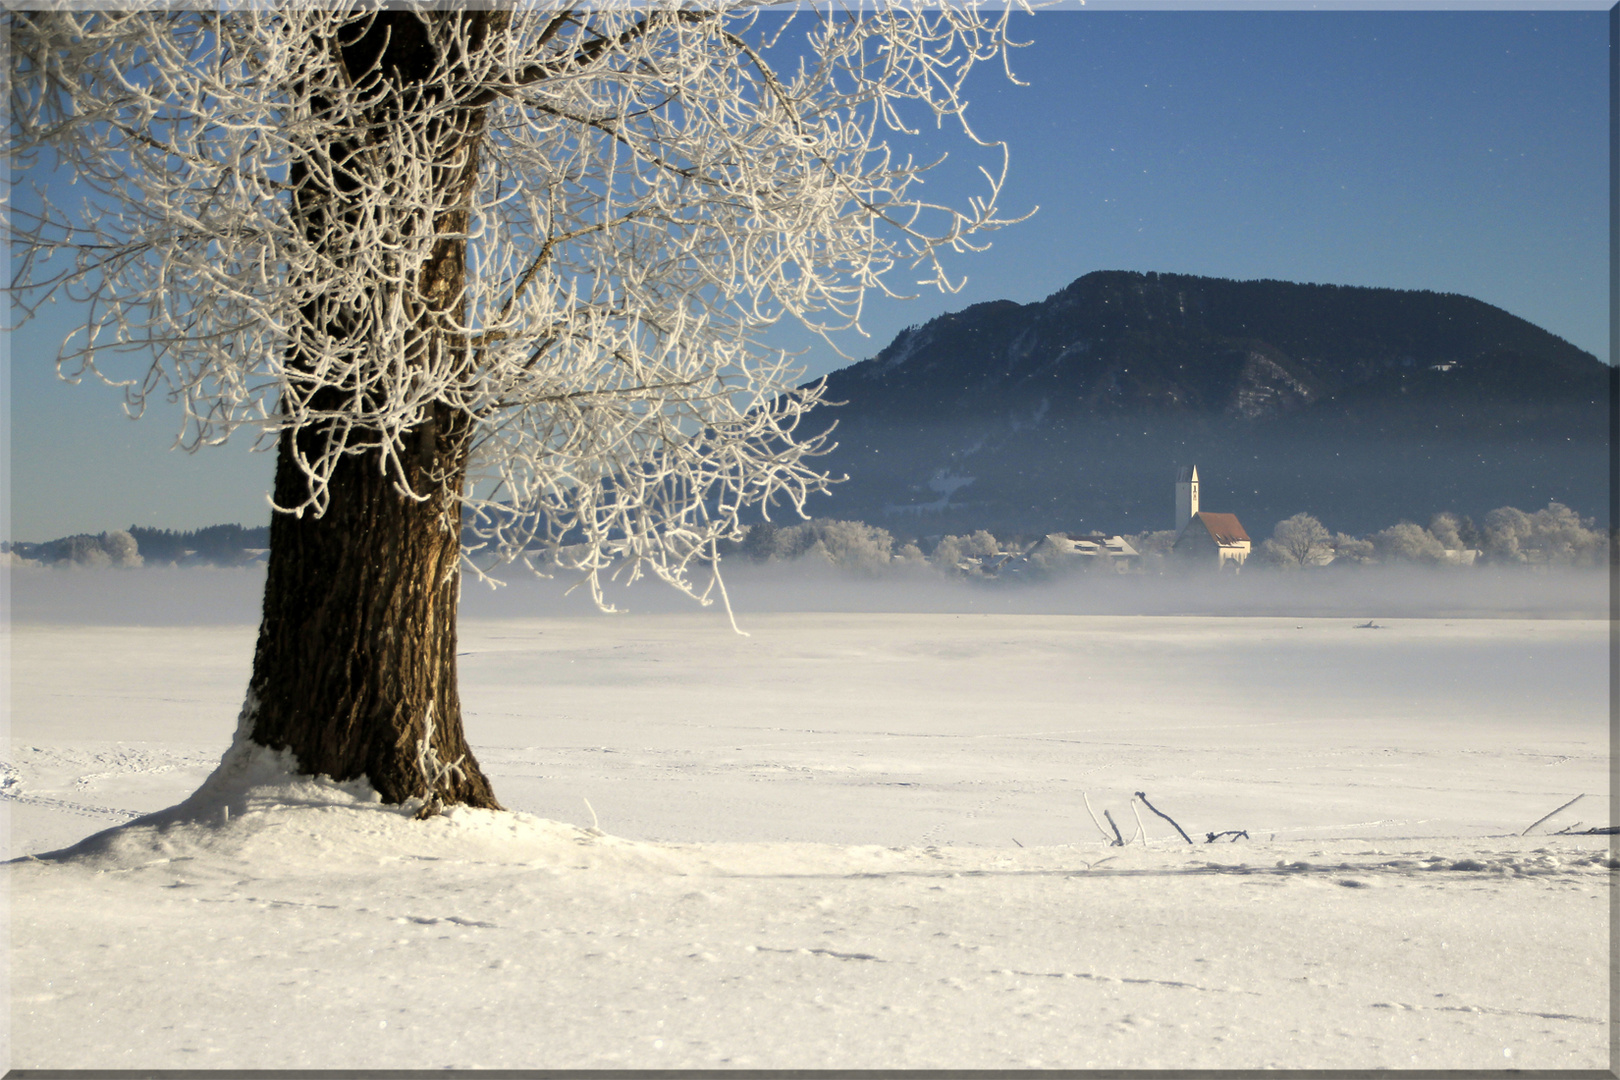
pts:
[854, 838]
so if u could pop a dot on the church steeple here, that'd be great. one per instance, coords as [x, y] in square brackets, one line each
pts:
[1186, 495]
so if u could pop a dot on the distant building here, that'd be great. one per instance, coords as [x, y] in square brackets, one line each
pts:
[1215, 540]
[1120, 555]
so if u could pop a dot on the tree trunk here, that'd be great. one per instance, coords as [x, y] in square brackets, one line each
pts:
[355, 670]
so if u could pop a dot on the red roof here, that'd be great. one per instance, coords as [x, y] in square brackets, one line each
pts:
[1224, 529]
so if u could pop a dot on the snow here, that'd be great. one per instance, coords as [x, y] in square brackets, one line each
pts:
[850, 839]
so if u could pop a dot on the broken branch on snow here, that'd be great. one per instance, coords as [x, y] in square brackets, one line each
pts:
[1164, 815]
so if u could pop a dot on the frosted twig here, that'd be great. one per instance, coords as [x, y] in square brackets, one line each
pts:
[725, 598]
[433, 771]
[595, 824]
[1141, 830]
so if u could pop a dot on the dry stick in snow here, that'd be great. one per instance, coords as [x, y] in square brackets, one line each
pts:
[1164, 815]
[1119, 841]
[1566, 806]
[1141, 830]
[1093, 814]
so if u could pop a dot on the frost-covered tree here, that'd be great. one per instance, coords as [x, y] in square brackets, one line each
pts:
[1556, 535]
[1157, 543]
[953, 553]
[1298, 541]
[1562, 537]
[1454, 533]
[1154, 547]
[501, 272]
[1407, 542]
[97, 551]
[1351, 551]
[850, 545]
[121, 548]
[1505, 530]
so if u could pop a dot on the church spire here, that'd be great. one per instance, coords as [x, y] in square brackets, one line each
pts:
[1186, 495]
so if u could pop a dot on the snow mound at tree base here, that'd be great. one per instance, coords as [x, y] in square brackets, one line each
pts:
[257, 810]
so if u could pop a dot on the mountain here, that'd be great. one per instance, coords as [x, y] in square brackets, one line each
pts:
[1359, 405]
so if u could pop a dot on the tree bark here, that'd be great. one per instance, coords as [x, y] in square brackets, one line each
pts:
[355, 669]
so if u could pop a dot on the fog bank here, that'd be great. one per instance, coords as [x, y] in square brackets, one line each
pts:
[168, 596]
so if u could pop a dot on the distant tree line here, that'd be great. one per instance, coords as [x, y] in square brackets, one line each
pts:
[215, 545]
[855, 545]
[93, 550]
[852, 545]
[1555, 536]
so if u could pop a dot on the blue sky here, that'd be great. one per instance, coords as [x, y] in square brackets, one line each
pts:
[1458, 151]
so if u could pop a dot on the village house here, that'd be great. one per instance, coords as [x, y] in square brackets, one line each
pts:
[1119, 555]
[1217, 541]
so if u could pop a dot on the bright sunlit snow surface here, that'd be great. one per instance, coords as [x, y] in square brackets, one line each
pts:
[850, 839]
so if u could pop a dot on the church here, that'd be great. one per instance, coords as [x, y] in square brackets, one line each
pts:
[1217, 541]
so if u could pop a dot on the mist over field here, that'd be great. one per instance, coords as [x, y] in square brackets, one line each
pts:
[160, 596]
[1368, 592]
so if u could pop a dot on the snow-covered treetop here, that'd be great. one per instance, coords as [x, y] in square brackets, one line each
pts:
[638, 192]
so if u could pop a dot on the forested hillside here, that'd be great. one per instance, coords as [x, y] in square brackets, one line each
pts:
[1356, 404]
